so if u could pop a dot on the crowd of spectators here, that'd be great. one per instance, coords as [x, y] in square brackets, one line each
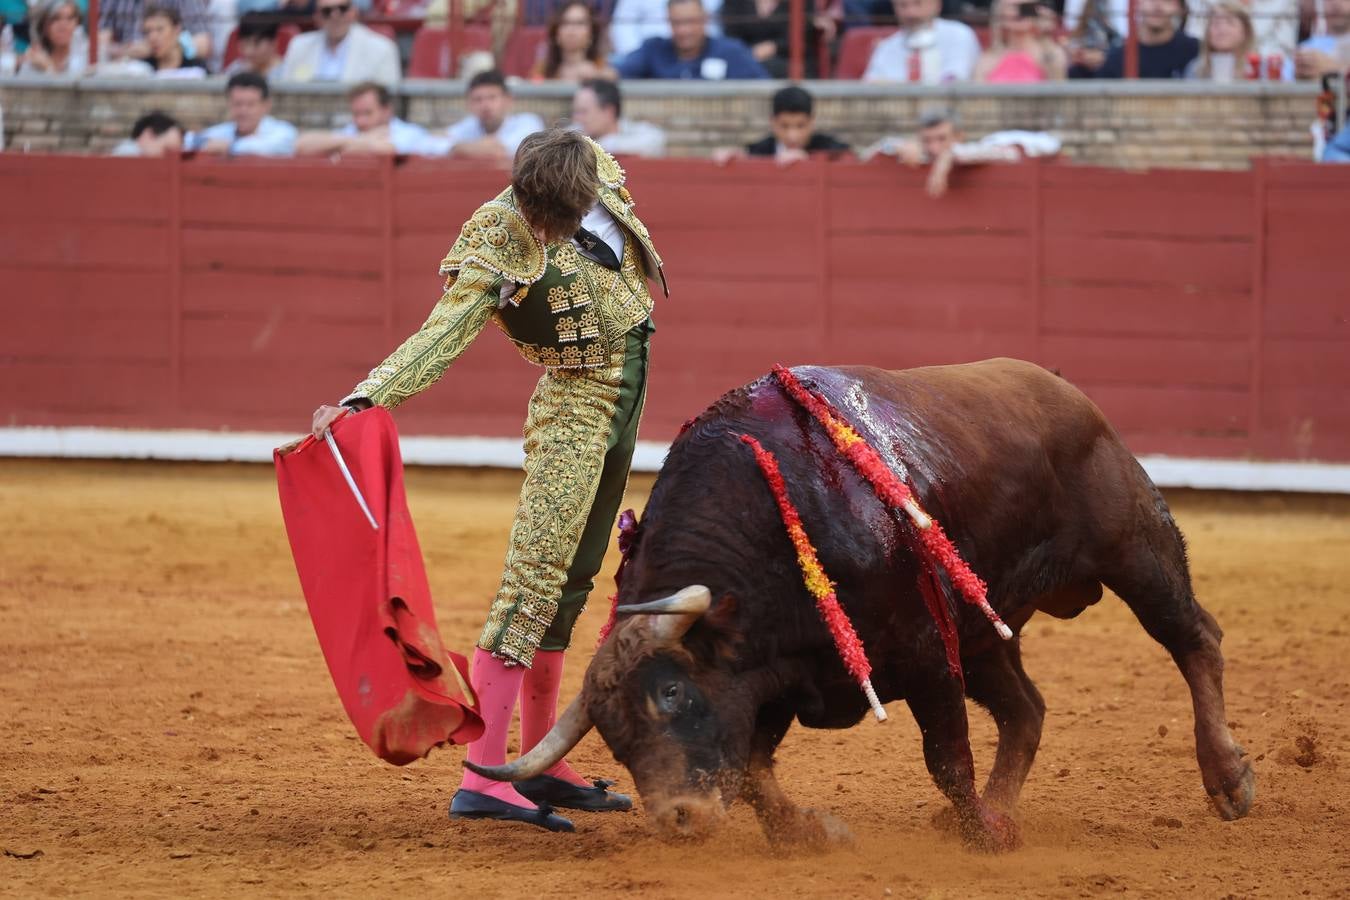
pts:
[493, 132]
[596, 45]
[1017, 40]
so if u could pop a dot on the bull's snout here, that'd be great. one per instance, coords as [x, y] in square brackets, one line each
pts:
[688, 817]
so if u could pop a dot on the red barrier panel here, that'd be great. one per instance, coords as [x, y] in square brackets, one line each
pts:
[1204, 311]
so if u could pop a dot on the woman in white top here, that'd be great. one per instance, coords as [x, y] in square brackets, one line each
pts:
[59, 46]
[1229, 39]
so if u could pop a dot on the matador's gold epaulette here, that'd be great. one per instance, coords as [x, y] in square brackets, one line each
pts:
[607, 168]
[497, 238]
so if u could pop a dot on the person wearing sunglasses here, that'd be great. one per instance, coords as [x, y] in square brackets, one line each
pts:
[341, 50]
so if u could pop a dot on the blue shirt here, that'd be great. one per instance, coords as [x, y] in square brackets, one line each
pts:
[514, 129]
[273, 138]
[1338, 150]
[722, 57]
[408, 139]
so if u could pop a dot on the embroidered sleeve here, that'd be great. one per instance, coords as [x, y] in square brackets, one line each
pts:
[468, 303]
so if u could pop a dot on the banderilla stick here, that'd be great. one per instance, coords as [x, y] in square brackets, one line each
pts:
[347, 474]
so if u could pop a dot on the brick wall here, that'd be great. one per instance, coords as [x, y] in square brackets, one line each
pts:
[1104, 123]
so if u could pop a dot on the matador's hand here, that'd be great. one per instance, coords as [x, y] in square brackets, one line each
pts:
[324, 417]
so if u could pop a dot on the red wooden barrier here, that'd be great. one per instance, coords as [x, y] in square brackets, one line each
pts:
[1205, 312]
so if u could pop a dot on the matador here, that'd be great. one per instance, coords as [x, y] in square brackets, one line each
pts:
[559, 263]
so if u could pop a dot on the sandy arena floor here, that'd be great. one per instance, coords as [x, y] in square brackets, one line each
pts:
[170, 728]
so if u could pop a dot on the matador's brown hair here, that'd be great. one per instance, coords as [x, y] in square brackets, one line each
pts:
[554, 181]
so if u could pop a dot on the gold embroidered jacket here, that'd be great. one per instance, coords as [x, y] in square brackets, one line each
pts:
[560, 309]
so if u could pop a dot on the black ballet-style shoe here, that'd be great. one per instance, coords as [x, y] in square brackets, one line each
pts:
[547, 790]
[473, 805]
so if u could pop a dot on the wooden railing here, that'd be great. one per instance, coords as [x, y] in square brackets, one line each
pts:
[1206, 312]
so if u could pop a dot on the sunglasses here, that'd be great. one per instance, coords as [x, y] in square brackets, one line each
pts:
[337, 9]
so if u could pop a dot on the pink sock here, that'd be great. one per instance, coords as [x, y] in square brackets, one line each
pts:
[497, 686]
[539, 709]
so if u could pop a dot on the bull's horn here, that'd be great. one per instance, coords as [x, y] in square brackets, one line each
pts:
[675, 614]
[566, 733]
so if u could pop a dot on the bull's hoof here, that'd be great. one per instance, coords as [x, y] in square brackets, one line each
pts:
[1234, 798]
[990, 831]
[985, 830]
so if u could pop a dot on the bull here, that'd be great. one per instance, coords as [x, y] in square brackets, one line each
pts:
[720, 647]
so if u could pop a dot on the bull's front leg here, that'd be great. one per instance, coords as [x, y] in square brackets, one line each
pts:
[940, 710]
[784, 823]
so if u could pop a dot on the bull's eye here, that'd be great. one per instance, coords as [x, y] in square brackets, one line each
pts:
[671, 696]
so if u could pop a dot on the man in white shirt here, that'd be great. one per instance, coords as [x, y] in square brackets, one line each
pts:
[251, 131]
[373, 131]
[634, 21]
[926, 49]
[942, 144]
[596, 109]
[491, 130]
[342, 49]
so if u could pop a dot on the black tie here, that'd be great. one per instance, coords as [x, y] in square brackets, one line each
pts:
[594, 248]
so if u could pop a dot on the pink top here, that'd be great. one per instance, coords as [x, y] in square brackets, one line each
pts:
[1016, 67]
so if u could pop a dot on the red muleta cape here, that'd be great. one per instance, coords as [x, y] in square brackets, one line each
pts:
[368, 596]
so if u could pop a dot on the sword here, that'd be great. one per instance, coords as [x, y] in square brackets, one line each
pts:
[347, 474]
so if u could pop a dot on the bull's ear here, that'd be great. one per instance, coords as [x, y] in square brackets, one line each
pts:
[722, 616]
[722, 634]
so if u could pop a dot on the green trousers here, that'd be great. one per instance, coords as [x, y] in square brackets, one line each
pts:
[609, 495]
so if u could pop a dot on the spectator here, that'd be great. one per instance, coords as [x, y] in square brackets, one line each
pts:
[1338, 149]
[597, 109]
[342, 49]
[491, 130]
[155, 134]
[762, 25]
[1164, 49]
[1326, 53]
[576, 45]
[121, 21]
[251, 130]
[1094, 29]
[163, 29]
[257, 47]
[373, 131]
[793, 134]
[941, 145]
[926, 49]
[690, 52]
[57, 45]
[1021, 52]
[634, 22]
[1274, 24]
[1228, 40]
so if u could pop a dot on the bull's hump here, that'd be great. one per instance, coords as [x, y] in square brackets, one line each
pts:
[879, 420]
